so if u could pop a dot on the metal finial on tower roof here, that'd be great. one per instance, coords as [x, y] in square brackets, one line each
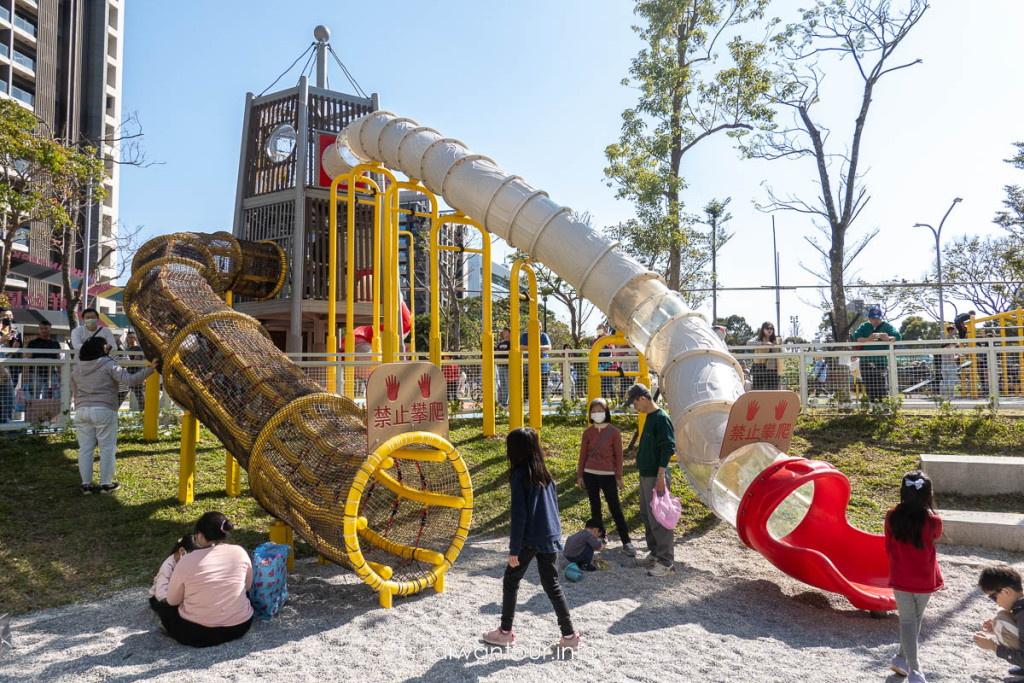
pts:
[322, 33]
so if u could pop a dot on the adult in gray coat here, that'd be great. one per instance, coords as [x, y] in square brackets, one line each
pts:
[95, 381]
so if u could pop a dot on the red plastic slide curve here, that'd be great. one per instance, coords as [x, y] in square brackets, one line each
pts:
[824, 550]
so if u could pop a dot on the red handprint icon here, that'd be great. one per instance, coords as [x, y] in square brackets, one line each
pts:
[752, 408]
[780, 409]
[392, 385]
[424, 385]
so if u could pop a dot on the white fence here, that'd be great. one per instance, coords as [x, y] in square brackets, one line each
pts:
[921, 374]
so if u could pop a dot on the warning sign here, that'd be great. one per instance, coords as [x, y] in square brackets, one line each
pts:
[768, 416]
[405, 397]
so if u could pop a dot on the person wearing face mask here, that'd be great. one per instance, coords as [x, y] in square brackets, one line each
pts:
[600, 469]
[91, 328]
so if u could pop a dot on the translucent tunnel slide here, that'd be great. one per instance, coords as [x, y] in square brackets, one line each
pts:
[398, 517]
[789, 509]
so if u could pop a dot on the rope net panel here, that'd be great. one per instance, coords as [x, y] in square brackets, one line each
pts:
[304, 449]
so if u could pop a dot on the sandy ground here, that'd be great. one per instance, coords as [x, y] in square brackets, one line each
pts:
[725, 615]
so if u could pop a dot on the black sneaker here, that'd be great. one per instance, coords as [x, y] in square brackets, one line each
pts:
[109, 488]
[87, 489]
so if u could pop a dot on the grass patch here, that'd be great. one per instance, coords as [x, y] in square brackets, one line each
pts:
[58, 547]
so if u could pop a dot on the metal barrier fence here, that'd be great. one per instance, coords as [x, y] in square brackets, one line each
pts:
[36, 393]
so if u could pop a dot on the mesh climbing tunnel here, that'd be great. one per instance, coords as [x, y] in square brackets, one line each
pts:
[398, 516]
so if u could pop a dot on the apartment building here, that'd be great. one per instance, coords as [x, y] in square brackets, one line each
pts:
[62, 59]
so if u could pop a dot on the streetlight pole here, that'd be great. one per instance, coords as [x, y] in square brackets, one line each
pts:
[938, 253]
[545, 300]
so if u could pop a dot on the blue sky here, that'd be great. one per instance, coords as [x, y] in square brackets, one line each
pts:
[536, 86]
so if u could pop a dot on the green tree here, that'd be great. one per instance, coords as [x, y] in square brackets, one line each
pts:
[29, 159]
[985, 271]
[864, 35]
[683, 100]
[1013, 217]
[737, 331]
[916, 327]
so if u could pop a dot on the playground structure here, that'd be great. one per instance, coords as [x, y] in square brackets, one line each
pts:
[795, 514]
[398, 516]
[1007, 327]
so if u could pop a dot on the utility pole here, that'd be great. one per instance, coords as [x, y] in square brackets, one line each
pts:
[778, 301]
[938, 253]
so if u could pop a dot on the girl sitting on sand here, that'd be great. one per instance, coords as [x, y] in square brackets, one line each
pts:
[536, 532]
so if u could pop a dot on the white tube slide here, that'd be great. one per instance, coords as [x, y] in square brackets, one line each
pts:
[700, 379]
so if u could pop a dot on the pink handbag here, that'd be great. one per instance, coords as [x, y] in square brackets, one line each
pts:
[666, 508]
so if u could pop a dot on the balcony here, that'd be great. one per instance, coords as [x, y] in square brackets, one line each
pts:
[23, 95]
[25, 25]
[5, 14]
[5, 51]
[24, 60]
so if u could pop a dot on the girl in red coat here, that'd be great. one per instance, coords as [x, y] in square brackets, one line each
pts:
[910, 532]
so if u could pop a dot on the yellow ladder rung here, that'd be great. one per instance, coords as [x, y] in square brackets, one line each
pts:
[417, 495]
[421, 554]
[431, 455]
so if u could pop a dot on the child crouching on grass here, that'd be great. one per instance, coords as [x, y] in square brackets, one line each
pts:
[581, 546]
[158, 591]
[536, 532]
[1004, 633]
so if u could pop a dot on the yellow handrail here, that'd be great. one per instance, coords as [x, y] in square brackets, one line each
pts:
[642, 374]
[515, 356]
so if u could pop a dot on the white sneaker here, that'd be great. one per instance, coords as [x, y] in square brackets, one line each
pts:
[629, 549]
[661, 570]
[916, 677]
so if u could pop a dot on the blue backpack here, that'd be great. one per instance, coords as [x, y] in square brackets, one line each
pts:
[269, 589]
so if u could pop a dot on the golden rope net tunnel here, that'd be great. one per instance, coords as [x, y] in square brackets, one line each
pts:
[398, 517]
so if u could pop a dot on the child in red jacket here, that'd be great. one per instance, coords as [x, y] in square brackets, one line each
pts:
[910, 532]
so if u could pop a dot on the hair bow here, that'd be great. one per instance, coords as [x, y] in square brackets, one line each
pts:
[916, 483]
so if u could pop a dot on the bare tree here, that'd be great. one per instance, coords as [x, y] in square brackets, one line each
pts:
[866, 35]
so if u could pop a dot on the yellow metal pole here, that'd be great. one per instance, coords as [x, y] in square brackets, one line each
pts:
[487, 338]
[232, 472]
[435, 295]
[515, 354]
[535, 361]
[282, 534]
[412, 293]
[375, 267]
[332, 286]
[645, 379]
[1020, 356]
[187, 459]
[354, 177]
[151, 417]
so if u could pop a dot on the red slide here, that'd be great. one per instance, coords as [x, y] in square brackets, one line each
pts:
[824, 550]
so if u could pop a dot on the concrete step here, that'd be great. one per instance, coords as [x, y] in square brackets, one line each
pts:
[975, 475]
[985, 529]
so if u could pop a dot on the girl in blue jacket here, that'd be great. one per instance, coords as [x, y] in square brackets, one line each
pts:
[536, 532]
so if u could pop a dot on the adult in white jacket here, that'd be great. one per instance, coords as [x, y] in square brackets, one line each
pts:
[95, 381]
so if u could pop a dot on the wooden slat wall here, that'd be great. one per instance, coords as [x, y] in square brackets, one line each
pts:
[261, 174]
[317, 266]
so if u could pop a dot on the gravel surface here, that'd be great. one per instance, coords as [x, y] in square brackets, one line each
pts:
[725, 615]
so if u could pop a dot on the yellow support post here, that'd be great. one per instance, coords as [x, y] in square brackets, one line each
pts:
[187, 458]
[350, 258]
[412, 294]
[487, 338]
[232, 472]
[393, 290]
[151, 416]
[515, 356]
[1020, 356]
[282, 534]
[642, 374]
